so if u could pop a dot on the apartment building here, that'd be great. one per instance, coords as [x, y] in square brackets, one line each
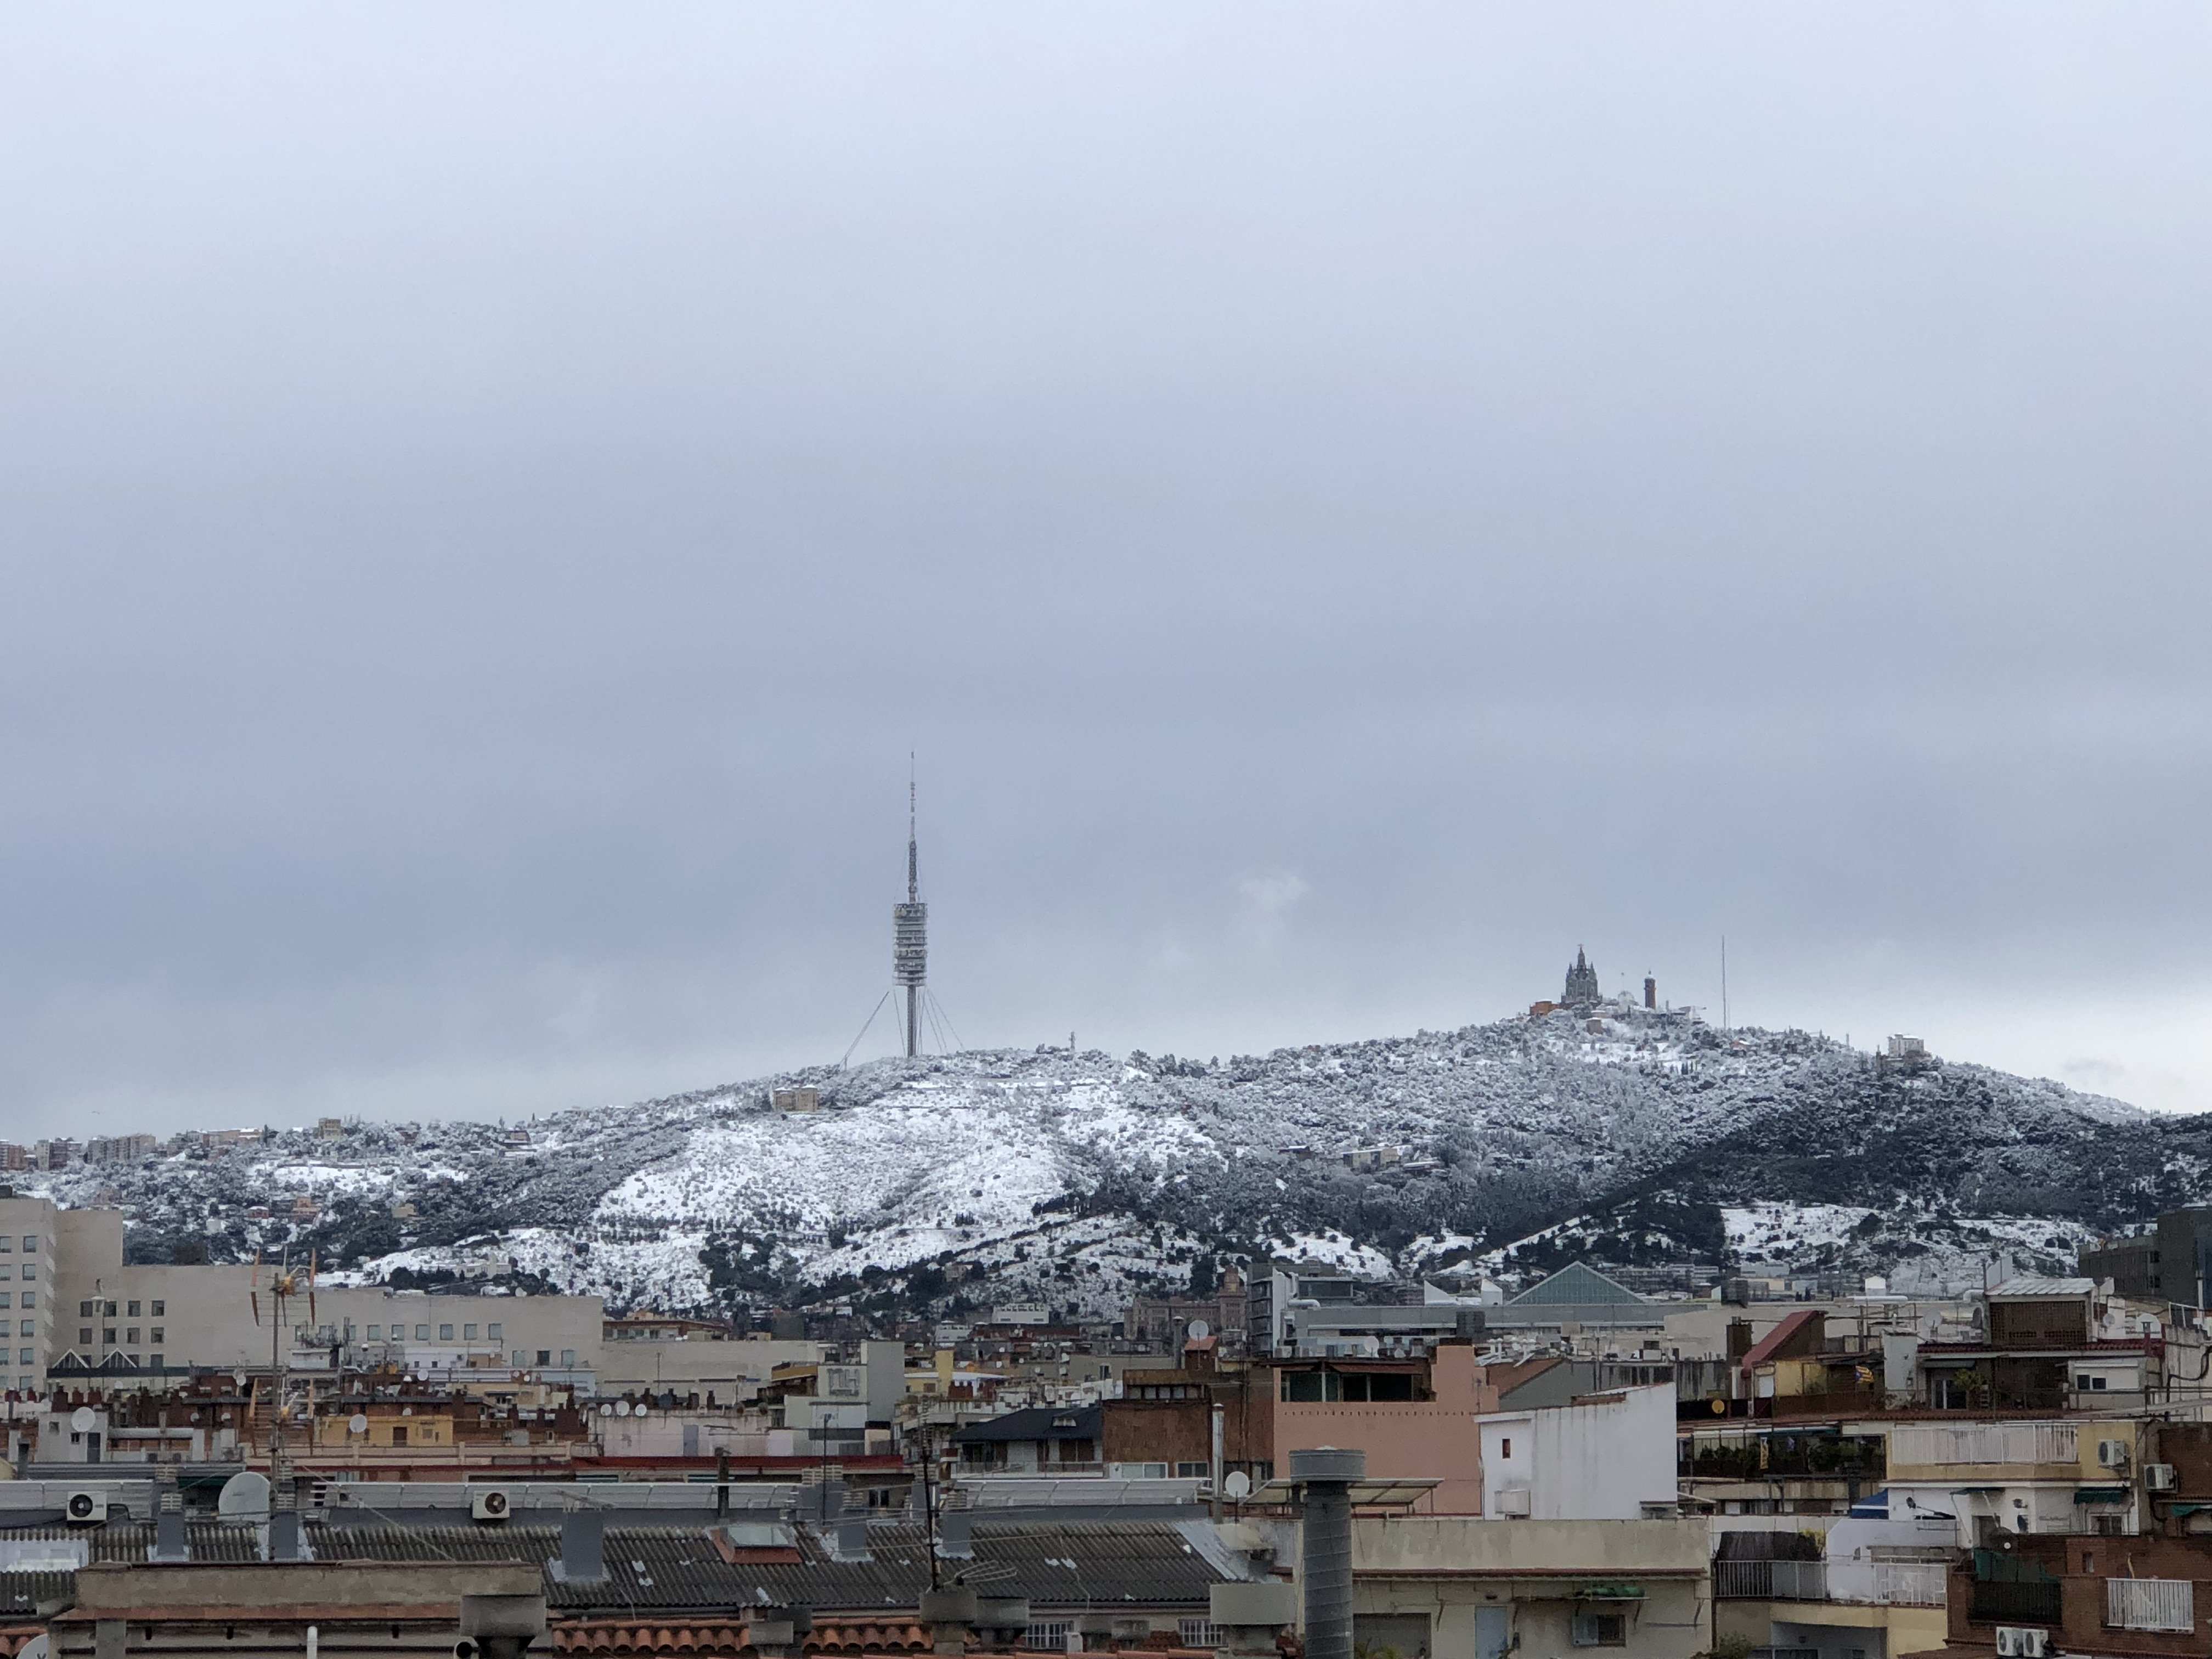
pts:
[28, 1238]
[104, 1320]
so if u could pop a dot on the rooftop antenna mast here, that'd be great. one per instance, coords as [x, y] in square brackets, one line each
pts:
[910, 928]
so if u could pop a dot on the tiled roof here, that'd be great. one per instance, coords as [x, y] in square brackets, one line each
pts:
[1055, 1564]
[838, 1637]
[1766, 1348]
[12, 1636]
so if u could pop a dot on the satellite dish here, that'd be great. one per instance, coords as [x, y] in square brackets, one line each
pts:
[239, 1377]
[36, 1648]
[606, 1411]
[358, 1423]
[1198, 1330]
[1237, 1486]
[84, 1420]
[245, 1497]
[640, 1408]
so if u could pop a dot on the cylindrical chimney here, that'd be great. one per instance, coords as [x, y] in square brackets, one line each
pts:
[1326, 1475]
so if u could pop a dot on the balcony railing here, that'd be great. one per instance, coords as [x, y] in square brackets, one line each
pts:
[1771, 1581]
[2015, 1604]
[1982, 1442]
[1909, 1583]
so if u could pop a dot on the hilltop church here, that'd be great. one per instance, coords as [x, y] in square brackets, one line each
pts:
[1581, 990]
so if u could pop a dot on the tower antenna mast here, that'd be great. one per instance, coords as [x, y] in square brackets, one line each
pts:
[910, 927]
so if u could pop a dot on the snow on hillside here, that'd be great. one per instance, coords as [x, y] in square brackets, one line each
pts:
[1080, 1179]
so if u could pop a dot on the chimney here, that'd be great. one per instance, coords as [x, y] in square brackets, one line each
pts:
[849, 1537]
[583, 1548]
[775, 1632]
[1004, 1620]
[956, 1533]
[169, 1541]
[287, 1542]
[823, 1500]
[1326, 1475]
[1250, 1616]
[1650, 992]
[948, 1614]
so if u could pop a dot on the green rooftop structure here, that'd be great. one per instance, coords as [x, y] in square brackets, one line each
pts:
[1575, 1285]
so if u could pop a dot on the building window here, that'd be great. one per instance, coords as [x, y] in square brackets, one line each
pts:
[160, 1309]
[444, 1333]
[1199, 1632]
[85, 1310]
[156, 1337]
[134, 1310]
[468, 1333]
[26, 1356]
[1050, 1637]
[568, 1356]
[131, 1335]
[376, 1333]
[545, 1355]
[422, 1333]
[1193, 1472]
[26, 1329]
[30, 1272]
[1506, 1447]
[107, 1336]
[4, 1301]
[30, 1298]
[84, 1336]
[157, 1361]
[1600, 1629]
[109, 1310]
[133, 1358]
[30, 1243]
[398, 1434]
[492, 1331]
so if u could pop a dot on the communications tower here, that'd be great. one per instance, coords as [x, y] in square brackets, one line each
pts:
[910, 935]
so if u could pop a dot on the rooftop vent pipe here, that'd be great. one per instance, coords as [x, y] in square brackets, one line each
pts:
[1326, 1475]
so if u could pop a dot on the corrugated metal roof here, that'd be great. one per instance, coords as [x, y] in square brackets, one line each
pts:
[1055, 1564]
[2034, 1284]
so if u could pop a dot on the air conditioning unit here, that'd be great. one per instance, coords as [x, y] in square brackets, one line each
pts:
[1513, 1502]
[2158, 1477]
[84, 1508]
[2113, 1454]
[2017, 1642]
[488, 1503]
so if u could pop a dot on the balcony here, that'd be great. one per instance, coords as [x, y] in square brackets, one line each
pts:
[1788, 1457]
[1983, 1445]
[1910, 1584]
[1771, 1581]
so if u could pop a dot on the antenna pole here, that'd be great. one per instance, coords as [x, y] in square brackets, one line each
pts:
[1724, 1007]
[911, 926]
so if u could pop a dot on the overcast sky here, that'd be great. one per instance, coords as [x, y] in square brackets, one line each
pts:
[1347, 504]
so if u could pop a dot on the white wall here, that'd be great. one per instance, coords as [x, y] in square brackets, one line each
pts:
[1597, 1461]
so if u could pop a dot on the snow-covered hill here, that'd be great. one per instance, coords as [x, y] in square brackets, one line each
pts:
[1078, 1179]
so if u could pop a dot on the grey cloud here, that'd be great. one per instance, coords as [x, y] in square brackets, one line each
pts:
[490, 498]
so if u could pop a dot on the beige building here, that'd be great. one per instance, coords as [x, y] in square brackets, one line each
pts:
[162, 1316]
[1458, 1587]
[28, 1240]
